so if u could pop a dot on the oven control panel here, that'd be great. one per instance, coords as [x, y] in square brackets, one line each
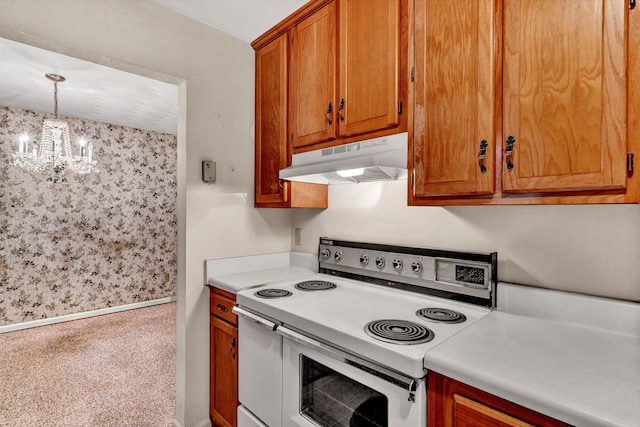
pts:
[454, 272]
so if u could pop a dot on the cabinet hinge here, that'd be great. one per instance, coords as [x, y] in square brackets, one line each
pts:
[400, 107]
[630, 167]
[413, 73]
[413, 178]
[632, 4]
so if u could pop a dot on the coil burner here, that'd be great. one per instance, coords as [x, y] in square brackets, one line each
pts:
[398, 331]
[272, 293]
[315, 285]
[441, 315]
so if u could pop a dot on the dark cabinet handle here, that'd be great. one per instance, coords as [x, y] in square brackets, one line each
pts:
[483, 151]
[232, 348]
[329, 109]
[222, 308]
[281, 184]
[509, 152]
[341, 110]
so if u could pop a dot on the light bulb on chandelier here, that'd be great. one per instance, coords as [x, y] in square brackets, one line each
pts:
[53, 153]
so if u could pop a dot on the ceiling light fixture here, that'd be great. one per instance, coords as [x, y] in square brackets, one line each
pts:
[54, 150]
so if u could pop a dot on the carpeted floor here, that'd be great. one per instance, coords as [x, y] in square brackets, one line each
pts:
[111, 370]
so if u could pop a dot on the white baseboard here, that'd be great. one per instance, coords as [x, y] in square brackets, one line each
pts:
[84, 314]
[203, 423]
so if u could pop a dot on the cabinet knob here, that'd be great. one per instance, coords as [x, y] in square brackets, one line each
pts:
[509, 152]
[483, 151]
[329, 109]
[341, 110]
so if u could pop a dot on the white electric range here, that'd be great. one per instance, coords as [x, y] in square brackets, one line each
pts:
[347, 346]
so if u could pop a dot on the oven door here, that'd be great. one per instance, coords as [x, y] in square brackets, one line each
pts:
[325, 386]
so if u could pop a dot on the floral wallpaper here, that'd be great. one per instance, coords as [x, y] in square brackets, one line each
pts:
[96, 241]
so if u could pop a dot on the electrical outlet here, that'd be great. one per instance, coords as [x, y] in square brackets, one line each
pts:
[165, 277]
[297, 236]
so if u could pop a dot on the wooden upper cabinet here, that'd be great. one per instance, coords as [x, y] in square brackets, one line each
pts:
[551, 86]
[272, 149]
[454, 120]
[271, 121]
[565, 95]
[313, 78]
[369, 39]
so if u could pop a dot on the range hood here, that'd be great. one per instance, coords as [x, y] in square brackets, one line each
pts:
[379, 159]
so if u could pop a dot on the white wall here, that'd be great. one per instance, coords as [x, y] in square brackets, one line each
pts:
[215, 74]
[592, 249]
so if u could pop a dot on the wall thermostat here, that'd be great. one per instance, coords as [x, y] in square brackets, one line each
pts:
[208, 171]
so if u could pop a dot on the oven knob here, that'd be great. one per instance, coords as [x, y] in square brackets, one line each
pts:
[379, 262]
[416, 267]
[338, 256]
[325, 253]
[364, 259]
[397, 264]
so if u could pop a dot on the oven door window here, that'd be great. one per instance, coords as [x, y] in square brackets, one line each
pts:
[332, 399]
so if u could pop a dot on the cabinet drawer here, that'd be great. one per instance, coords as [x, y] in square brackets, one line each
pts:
[221, 306]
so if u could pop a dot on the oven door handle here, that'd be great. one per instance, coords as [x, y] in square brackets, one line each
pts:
[383, 372]
[254, 318]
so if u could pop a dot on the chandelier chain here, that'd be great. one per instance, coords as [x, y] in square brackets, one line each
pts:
[55, 99]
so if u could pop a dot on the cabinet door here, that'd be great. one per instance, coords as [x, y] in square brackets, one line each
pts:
[454, 404]
[223, 372]
[313, 78]
[469, 413]
[271, 121]
[565, 95]
[454, 120]
[369, 62]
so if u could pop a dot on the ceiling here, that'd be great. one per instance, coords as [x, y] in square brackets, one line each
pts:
[245, 19]
[99, 93]
[91, 91]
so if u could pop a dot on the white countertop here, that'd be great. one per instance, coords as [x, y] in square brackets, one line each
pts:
[582, 375]
[233, 274]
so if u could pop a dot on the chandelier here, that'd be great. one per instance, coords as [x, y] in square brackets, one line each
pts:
[53, 153]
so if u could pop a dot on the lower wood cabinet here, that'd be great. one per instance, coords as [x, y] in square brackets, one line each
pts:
[223, 359]
[451, 403]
